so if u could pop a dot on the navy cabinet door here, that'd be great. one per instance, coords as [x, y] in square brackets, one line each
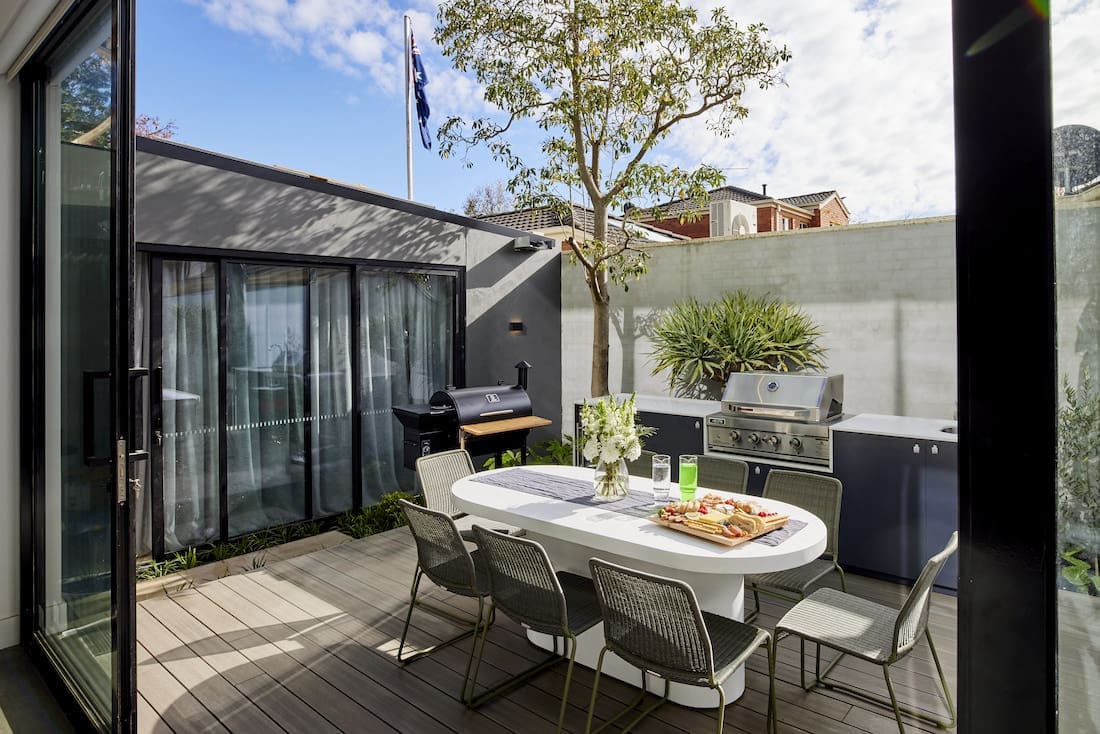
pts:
[676, 435]
[940, 511]
[880, 528]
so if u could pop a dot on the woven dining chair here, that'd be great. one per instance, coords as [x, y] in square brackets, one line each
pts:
[436, 473]
[642, 466]
[445, 560]
[655, 624]
[725, 475]
[820, 495]
[879, 634]
[524, 586]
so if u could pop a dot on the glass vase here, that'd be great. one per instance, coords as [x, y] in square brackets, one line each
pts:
[611, 480]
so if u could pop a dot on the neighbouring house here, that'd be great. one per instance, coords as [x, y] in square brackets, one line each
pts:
[576, 223]
[733, 211]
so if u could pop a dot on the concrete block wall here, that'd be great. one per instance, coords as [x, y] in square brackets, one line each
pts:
[883, 293]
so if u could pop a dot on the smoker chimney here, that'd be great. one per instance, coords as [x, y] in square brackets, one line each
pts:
[764, 189]
[521, 380]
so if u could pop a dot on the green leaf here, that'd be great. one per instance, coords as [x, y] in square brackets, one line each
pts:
[1077, 575]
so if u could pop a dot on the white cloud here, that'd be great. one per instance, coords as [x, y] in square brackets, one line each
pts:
[866, 109]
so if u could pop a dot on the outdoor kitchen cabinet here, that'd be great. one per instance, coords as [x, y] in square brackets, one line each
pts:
[900, 503]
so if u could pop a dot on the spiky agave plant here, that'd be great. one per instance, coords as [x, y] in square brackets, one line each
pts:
[701, 344]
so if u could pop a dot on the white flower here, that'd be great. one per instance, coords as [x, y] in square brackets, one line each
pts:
[609, 430]
[591, 449]
[610, 454]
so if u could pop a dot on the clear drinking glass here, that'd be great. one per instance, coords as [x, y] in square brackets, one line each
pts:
[689, 476]
[662, 478]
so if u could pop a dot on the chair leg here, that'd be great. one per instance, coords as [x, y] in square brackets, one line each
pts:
[721, 709]
[943, 682]
[408, 615]
[773, 721]
[843, 583]
[755, 605]
[470, 660]
[893, 698]
[568, 679]
[595, 687]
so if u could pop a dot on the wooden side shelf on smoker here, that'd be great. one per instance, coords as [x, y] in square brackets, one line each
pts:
[520, 427]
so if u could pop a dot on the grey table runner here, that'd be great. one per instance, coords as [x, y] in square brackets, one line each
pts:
[579, 491]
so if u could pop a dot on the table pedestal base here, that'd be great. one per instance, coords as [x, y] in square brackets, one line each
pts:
[722, 594]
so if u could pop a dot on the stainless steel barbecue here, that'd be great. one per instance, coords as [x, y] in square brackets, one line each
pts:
[777, 415]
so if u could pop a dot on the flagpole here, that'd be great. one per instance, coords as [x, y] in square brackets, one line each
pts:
[408, 107]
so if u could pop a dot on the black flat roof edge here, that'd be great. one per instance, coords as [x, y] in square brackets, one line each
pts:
[199, 156]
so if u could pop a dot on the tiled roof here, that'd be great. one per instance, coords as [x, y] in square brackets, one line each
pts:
[733, 193]
[581, 218]
[808, 200]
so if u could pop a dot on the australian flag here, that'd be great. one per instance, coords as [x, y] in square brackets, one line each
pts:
[420, 80]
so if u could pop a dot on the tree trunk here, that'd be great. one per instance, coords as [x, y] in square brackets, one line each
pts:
[601, 332]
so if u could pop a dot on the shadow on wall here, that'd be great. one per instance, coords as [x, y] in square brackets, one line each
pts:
[187, 204]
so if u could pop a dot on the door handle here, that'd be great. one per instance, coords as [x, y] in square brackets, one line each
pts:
[916, 448]
[89, 427]
[935, 450]
[138, 405]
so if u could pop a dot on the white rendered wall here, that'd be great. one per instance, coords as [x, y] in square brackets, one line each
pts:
[883, 293]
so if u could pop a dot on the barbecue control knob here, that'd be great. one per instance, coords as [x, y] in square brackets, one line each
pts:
[753, 438]
[772, 441]
[796, 443]
[735, 436]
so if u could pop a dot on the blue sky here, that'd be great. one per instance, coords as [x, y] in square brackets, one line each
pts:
[316, 85]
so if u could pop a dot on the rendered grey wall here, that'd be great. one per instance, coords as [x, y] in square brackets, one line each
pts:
[1078, 261]
[187, 204]
[884, 294]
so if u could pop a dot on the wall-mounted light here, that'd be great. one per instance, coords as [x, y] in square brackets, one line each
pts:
[532, 243]
[515, 326]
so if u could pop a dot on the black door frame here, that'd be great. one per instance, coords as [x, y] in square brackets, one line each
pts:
[32, 355]
[1007, 635]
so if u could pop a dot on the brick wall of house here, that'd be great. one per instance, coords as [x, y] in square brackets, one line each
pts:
[832, 214]
[698, 228]
[765, 219]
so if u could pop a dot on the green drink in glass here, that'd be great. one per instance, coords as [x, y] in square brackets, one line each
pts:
[689, 476]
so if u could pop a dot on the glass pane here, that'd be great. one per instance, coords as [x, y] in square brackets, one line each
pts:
[407, 350]
[76, 556]
[1077, 231]
[189, 403]
[265, 328]
[330, 391]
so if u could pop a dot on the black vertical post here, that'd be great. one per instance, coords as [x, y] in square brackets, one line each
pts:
[156, 403]
[223, 398]
[1006, 296]
[355, 341]
[308, 279]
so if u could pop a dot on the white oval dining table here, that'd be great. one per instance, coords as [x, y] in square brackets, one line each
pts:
[572, 533]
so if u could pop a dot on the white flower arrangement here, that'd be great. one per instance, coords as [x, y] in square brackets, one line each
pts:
[610, 433]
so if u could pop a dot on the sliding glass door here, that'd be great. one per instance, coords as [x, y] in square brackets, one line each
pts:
[273, 386]
[78, 145]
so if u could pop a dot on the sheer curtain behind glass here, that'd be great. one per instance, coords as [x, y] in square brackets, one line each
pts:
[266, 327]
[331, 386]
[189, 403]
[407, 348]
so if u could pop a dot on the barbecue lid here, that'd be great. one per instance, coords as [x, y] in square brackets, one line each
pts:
[480, 404]
[794, 396]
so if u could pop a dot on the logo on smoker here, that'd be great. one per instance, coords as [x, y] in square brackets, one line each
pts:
[773, 386]
[492, 398]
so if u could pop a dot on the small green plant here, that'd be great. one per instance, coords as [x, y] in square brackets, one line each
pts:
[1079, 485]
[702, 344]
[383, 515]
[180, 561]
[551, 451]
[1080, 572]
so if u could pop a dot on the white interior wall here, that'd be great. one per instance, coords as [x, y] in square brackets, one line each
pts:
[9, 363]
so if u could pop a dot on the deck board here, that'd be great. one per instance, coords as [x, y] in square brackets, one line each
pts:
[309, 644]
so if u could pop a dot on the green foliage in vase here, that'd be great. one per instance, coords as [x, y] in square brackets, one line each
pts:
[700, 343]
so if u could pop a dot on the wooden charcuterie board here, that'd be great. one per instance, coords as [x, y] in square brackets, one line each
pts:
[773, 524]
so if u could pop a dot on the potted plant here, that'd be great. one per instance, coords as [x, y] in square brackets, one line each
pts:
[1079, 487]
[702, 344]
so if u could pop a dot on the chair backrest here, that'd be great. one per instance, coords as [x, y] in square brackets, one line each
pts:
[913, 617]
[653, 622]
[725, 475]
[812, 492]
[437, 472]
[442, 555]
[522, 581]
[642, 466]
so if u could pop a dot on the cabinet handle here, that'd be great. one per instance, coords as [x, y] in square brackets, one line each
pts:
[757, 470]
[697, 426]
[935, 450]
[916, 448]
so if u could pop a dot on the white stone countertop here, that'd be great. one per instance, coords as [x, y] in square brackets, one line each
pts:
[899, 425]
